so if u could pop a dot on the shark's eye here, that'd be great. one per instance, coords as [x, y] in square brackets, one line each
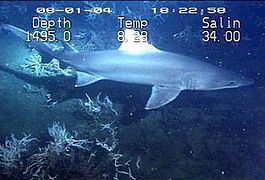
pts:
[231, 83]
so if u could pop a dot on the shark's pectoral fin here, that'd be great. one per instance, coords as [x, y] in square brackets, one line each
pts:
[84, 79]
[162, 95]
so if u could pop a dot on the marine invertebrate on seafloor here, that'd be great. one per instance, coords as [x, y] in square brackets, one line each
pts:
[40, 163]
[35, 66]
[61, 153]
[63, 140]
[98, 105]
[10, 151]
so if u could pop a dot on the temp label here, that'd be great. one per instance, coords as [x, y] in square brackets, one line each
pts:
[138, 25]
[221, 29]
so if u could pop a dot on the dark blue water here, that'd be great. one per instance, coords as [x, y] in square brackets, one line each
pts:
[216, 134]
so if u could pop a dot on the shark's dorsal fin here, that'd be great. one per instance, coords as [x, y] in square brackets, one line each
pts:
[68, 47]
[84, 79]
[162, 95]
[131, 45]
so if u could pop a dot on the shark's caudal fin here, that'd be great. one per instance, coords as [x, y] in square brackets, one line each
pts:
[42, 47]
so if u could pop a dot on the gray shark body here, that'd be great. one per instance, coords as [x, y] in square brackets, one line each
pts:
[168, 73]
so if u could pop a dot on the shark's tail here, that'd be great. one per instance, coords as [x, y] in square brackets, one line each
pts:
[42, 47]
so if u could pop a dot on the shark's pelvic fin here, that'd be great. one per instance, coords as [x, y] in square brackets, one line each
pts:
[84, 79]
[68, 47]
[162, 95]
[134, 43]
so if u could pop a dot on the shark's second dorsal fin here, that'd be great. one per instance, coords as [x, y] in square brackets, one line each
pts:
[68, 47]
[131, 45]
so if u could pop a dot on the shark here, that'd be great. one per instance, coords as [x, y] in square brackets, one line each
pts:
[141, 63]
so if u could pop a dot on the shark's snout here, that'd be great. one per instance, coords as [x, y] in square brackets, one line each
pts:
[228, 80]
[246, 81]
[238, 82]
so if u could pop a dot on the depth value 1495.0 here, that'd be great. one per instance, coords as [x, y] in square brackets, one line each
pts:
[47, 36]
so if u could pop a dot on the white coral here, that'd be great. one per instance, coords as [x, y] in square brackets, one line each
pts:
[10, 151]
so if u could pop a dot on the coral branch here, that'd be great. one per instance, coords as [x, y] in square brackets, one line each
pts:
[10, 152]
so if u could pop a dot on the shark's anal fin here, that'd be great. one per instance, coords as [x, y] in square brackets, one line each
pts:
[84, 79]
[162, 95]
